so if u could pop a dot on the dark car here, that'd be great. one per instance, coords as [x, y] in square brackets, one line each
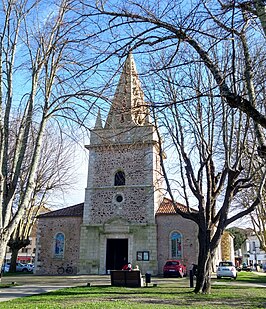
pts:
[174, 268]
[245, 267]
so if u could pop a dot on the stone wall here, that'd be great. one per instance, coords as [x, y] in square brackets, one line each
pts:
[137, 162]
[94, 239]
[46, 263]
[131, 216]
[166, 224]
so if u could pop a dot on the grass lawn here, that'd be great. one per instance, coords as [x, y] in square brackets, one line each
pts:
[226, 293]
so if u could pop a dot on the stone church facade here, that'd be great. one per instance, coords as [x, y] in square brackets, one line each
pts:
[124, 216]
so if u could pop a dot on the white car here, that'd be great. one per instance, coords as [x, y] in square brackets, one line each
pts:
[21, 267]
[226, 269]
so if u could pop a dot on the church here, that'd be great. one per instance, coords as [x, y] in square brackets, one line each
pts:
[125, 216]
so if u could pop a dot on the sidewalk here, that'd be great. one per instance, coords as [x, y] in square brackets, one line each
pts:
[31, 285]
[25, 290]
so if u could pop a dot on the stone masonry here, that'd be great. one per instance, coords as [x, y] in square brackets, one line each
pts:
[66, 221]
[126, 143]
[125, 215]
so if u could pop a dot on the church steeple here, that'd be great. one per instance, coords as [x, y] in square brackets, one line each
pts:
[128, 107]
[124, 183]
[98, 122]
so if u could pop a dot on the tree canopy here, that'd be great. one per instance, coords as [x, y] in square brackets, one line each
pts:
[43, 82]
[206, 89]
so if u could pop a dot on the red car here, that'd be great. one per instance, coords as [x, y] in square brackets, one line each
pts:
[174, 268]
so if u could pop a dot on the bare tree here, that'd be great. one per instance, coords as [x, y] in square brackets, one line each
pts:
[208, 136]
[54, 173]
[258, 216]
[256, 8]
[211, 156]
[42, 61]
[258, 219]
[178, 27]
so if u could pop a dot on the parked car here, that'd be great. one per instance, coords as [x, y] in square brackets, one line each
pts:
[21, 267]
[246, 267]
[226, 269]
[174, 268]
[30, 267]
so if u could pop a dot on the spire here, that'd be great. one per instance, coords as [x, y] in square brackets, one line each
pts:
[128, 105]
[98, 122]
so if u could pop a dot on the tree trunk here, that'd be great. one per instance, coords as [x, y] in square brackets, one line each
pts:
[203, 282]
[15, 245]
[3, 245]
[13, 261]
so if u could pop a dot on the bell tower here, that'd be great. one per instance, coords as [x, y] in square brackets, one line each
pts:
[123, 187]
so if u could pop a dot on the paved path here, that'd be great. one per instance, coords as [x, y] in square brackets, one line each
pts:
[27, 285]
[31, 285]
[25, 290]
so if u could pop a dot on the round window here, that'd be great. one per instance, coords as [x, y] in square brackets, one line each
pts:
[119, 198]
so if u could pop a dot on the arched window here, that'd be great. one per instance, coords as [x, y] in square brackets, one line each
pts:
[59, 247]
[120, 179]
[176, 245]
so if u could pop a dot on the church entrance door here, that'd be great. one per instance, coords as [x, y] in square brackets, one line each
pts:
[116, 253]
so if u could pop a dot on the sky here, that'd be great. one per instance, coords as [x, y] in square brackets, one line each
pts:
[76, 193]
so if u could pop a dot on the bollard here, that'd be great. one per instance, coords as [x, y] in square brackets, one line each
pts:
[191, 277]
[147, 278]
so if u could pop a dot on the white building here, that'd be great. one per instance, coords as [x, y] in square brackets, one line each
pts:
[251, 252]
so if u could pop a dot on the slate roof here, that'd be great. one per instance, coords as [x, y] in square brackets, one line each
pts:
[167, 207]
[71, 211]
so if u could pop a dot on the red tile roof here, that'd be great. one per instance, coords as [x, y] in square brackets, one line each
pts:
[72, 211]
[167, 207]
